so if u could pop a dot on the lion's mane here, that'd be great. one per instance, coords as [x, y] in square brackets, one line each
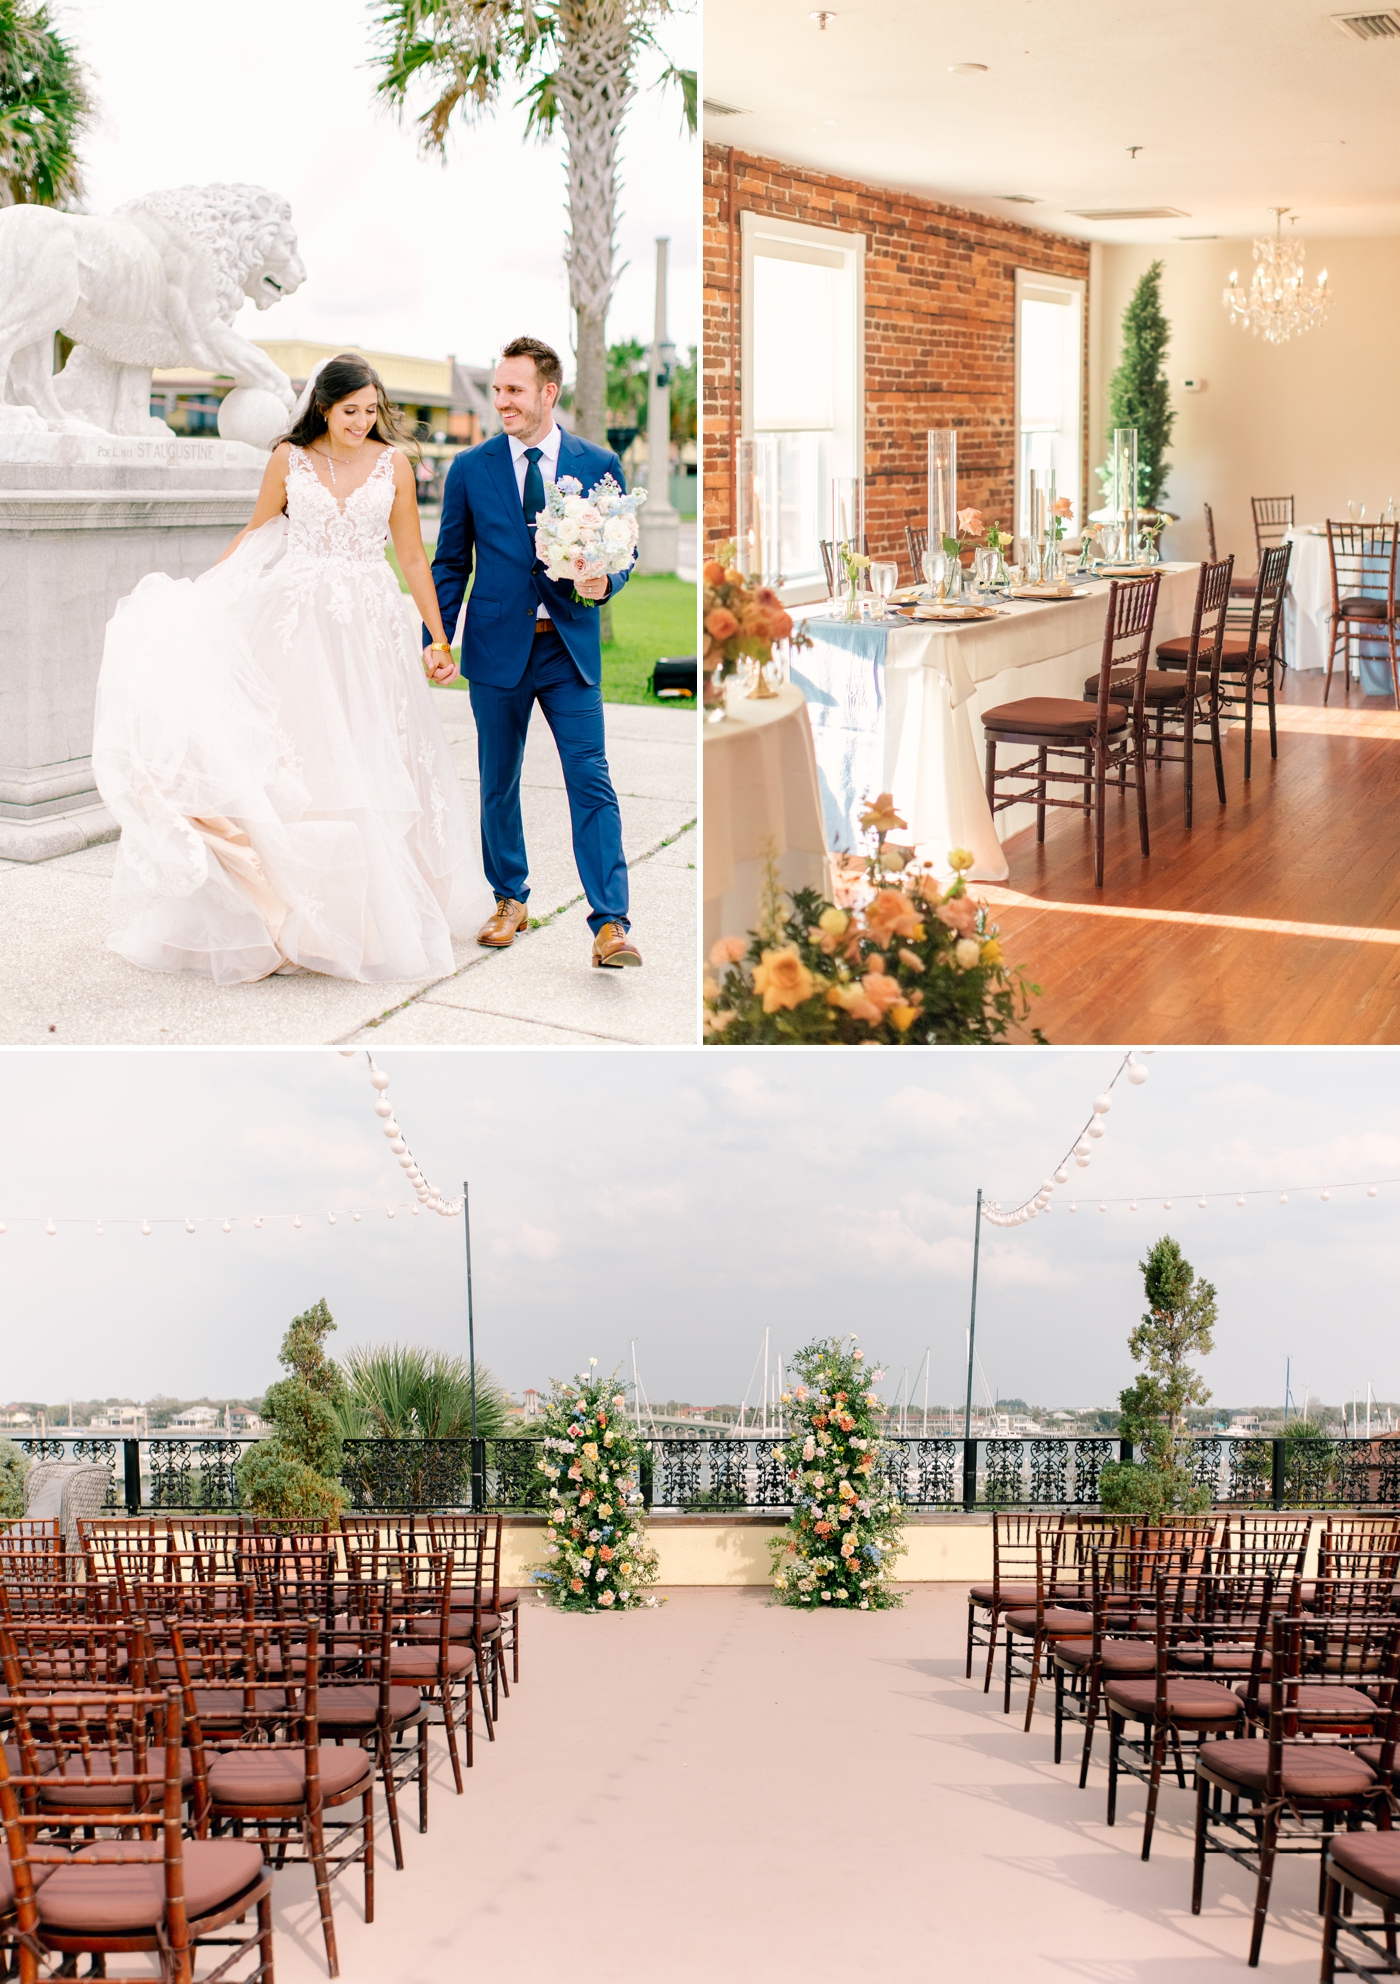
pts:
[236, 226]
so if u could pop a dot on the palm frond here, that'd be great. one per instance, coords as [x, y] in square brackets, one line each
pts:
[405, 1392]
[45, 106]
[686, 81]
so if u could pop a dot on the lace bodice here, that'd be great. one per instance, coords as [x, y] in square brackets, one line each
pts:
[319, 527]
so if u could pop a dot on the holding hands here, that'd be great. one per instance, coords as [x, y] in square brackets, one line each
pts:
[438, 664]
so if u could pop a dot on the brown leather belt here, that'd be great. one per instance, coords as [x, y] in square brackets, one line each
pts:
[544, 626]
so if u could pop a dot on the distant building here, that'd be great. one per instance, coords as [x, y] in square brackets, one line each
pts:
[447, 406]
[16, 1419]
[242, 1419]
[530, 1400]
[128, 1419]
[1245, 1422]
[196, 1419]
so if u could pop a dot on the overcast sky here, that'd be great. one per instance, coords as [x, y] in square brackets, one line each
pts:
[402, 255]
[691, 1198]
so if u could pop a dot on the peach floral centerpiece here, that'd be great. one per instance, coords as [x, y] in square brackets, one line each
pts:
[912, 963]
[741, 621]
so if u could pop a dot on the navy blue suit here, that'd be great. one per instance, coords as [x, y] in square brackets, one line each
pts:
[510, 667]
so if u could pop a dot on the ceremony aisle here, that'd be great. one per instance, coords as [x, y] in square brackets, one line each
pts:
[789, 1796]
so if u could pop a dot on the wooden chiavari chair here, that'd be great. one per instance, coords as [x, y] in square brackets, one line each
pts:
[1013, 1581]
[1106, 739]
[159, 1893]
[137, 1542]
[279, 1780]
[425, 1654]
[497, 1601]
[1183, 691]
[1257, 653]
[1304, 1773]
[1363, 558]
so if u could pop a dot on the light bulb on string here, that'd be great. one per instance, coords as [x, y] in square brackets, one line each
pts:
[1240, 1200]
[1137, 1074]
[1102, 1104]
[1166, 1205]
[1072, 1206]
[1370, 1192]
[1095, 1129]
[1062, 1176]
[297, 1220]
[347, 1053]
[1082, 1162]
[3, 1228]
[356, 1217]
[1132, 1206]
[1102, 1206]
[1081, 1149]
[378, 1078]
[51, 1229]
[189, 1226]
[390, 1211]
[228, 1226]
[1326, 1194]
[99, 1229]
[415, 1210]
[258, 1221]
[1283, 1198]
[146, 1228]
[1202, 1204]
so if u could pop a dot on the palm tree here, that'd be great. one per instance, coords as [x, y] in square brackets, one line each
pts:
[44, 109]
[579, 60]
[399, 1391]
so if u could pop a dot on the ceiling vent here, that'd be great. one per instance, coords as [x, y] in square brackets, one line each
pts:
[1019, 199]
[1129, 213]
[1384, 26]
[713, 109]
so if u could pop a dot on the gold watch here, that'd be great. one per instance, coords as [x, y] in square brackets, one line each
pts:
[440, 647]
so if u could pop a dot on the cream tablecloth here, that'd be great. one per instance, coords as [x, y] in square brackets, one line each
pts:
[1307, 612]
[897, 708]
[760, 791]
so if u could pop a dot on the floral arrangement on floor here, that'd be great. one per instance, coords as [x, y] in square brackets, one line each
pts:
[844, 1538]
[913, 964]
[741, 619]
[585, 537]
[599, 1558]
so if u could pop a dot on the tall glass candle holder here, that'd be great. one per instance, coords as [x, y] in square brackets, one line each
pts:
[942, 485]
[1125, 489]
[847, 530]
[758, 510]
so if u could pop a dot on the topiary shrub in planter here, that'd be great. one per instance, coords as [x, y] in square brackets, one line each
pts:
[293, 1477]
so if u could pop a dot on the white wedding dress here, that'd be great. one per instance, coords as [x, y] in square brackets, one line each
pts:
[266, 739]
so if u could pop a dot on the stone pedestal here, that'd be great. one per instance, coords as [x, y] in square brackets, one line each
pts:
[81, 521]
[658, 536]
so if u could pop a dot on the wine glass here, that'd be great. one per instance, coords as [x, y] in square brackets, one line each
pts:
[884, 576]
[935, 564]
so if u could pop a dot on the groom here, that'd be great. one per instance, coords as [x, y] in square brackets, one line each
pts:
[525, 641]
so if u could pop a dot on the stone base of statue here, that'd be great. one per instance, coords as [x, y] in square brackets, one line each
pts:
[658, 538]
[82, 519]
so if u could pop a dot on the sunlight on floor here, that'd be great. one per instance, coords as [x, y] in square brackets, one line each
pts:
[1264, 926]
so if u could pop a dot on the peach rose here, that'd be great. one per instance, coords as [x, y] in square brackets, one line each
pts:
[852, 999]
[782, 979]
[882, 991]
[728, 950]
[1062, 507]
[960, 914]
[911, 960]
[714, 573]
[720, 623]
[891, 915]
[970, 523]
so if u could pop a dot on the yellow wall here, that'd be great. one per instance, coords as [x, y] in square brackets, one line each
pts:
[717, 1552]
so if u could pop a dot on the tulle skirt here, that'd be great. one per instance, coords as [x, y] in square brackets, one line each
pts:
[266, 740]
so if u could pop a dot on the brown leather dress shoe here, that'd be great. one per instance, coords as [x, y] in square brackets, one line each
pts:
[501, 929]
[613, 947]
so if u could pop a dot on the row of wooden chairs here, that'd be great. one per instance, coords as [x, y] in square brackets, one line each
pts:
[1203, 1641]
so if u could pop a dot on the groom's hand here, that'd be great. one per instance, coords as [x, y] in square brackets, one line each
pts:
[594, 588]
[438, 667]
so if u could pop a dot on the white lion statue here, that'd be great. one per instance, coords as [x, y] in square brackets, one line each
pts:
[156, 283]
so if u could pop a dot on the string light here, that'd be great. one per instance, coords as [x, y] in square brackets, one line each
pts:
[1081, 1151]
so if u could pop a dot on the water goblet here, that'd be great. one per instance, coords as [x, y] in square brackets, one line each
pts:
[884, 575]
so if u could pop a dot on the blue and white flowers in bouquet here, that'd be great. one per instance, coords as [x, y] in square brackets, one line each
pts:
[585, 537]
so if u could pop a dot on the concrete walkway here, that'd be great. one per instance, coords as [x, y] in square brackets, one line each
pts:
[60, 984]
[724, 1787]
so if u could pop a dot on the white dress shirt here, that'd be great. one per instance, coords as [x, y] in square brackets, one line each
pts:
[548, 464]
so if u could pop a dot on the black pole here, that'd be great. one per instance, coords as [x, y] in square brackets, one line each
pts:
[478, 1467]
[972, 1320]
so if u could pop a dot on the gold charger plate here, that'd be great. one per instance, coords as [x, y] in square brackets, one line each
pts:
[964, 614]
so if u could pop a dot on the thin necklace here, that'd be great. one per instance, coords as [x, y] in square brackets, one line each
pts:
[349, 458]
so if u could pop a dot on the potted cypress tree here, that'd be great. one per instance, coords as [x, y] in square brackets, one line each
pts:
[1139, 395]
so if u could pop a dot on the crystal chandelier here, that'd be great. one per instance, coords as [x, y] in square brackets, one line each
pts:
[1276, 302]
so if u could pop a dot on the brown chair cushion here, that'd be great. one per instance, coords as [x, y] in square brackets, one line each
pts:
[1374, 1857]
[356, 1706]
[1317, 1703]
[1073, 1653]
[507, 1598]
[1370, 1753]
[260, 1775]
[1188, 1700]
[1221, 1659]
[1048, 716]
[412, 1663]
[1058, 1619]
[77, 1789]
[118, 1885]
[1129, 1657]
[42, 1862]
[1158, 688]
[459, 1626]
[222, 1708]
[1310, 1770]
[1244, 588]
[1362, 606]
[1011, 1594]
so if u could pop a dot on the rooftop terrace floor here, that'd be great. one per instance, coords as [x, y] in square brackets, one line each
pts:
[722, 1786]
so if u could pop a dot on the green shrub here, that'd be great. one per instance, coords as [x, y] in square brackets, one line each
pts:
[294, 1475]
[14, 1465]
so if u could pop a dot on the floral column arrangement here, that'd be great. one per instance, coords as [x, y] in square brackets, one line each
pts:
[599, 1558]
[841, 1545]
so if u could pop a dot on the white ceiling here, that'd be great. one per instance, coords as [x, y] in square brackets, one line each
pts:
[1238, 105]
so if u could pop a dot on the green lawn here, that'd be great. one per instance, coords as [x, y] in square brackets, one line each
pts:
[651, 617]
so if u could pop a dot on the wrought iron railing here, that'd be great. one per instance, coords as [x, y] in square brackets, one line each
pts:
[742, 1474]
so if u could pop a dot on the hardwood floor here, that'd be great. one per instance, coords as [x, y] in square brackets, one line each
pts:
[1276, 919]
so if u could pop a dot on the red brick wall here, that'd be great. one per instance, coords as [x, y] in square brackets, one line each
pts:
[939, 310]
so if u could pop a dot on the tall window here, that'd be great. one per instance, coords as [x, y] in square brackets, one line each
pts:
[803, 365]
[1049, 388]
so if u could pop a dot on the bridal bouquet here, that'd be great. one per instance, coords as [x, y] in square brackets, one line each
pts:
[585, 537]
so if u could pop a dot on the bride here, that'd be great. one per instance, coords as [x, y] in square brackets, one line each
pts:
[267, 741]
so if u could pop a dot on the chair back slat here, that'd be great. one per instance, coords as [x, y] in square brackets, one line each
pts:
[1273, 517]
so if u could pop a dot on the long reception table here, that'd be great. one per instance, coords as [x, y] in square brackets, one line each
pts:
[895, 707]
